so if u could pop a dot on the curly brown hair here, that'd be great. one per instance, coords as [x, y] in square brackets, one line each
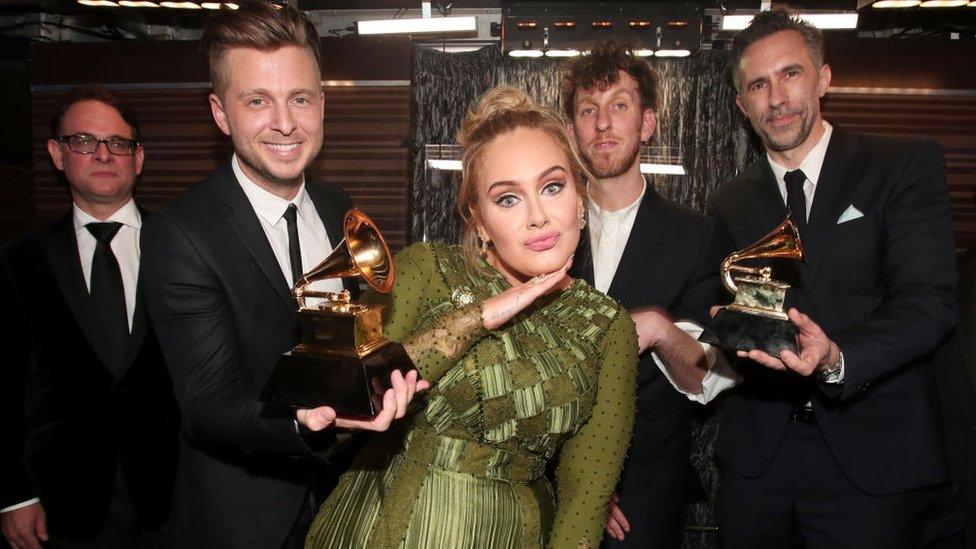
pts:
[601, 68]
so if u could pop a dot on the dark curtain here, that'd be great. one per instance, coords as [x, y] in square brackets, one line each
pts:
[697, 119]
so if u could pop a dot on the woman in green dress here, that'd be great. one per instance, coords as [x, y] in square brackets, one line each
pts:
[526, 365]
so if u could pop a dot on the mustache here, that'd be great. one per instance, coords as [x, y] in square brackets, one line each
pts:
[785, 111]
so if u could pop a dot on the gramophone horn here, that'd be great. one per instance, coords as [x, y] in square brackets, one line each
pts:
[362, 252]
[782, 242]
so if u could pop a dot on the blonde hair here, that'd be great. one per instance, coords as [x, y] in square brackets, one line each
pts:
[499, 111]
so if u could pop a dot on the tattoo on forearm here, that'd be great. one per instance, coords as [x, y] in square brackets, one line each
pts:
[505, 313]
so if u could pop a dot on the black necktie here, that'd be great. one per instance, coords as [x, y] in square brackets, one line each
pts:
[294, 246]
[107, 296]
[795, 199]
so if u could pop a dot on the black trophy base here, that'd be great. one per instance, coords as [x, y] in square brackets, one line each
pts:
[353, 386]
[738, 331]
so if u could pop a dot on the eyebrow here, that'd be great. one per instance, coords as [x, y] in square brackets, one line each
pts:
[790, 67]
[511, 183]
[262, 91]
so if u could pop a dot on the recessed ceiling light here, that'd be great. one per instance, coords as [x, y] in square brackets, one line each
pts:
[896, 4]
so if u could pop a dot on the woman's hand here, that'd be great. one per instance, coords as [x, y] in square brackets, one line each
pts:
[499, 309]
[395, 403]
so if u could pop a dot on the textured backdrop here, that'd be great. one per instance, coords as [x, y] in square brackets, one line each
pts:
[697, 119]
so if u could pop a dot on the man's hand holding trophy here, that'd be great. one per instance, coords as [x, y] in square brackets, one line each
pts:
[755, 324]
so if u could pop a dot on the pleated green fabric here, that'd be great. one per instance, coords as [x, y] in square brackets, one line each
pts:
[466, 469]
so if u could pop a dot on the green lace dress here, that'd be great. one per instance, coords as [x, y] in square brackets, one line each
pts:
[469, 469]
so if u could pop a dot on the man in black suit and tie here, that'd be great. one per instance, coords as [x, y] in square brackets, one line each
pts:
[220, 263]
[90, 422]
[660, 261]
[836, 446]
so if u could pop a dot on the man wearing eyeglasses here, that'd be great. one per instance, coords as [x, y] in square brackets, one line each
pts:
[90, 420]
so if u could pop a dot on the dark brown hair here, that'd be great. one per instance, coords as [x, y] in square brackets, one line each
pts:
[502, 110]
[93, 92]
[600, 68]
[257, 25]
[779, 18]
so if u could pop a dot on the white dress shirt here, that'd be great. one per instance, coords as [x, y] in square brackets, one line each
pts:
[810, 166]
[125, 246]
[312, 238]
[609, 232]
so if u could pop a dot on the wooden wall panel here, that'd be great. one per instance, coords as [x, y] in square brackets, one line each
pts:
[16, 201]
[949, 119]
[365, 148]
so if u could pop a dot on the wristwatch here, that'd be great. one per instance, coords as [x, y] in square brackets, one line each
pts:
[830, 373]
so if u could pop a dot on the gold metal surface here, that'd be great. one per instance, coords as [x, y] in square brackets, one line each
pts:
[782, 242]
[339, 325]
[362, 253]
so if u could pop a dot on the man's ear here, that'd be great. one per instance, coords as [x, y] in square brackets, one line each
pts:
[648, 124]
[140, 157]
[824, 82]
[742, 106]
[56, 154]
[219, 116]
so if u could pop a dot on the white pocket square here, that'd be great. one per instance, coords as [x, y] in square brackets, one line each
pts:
[850, 214]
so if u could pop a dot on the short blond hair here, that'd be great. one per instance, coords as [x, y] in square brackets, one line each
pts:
[499, 111]
[256, 25]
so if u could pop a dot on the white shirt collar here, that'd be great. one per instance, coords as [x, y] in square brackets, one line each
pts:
[268, 206]
[596, 210]
[812, 164]
[127, 215]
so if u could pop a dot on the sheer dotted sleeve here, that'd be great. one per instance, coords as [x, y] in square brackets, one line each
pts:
[436, 348]
[591, 461]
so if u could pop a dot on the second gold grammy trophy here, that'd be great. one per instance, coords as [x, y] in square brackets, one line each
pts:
[342, 358]
[756, 319]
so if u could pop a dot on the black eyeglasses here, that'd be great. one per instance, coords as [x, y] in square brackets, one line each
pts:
[87, 144]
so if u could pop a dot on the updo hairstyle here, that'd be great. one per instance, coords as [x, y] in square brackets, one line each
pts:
[502, 110]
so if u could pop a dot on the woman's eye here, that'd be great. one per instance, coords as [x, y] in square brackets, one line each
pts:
[507, 201]
[553, 187]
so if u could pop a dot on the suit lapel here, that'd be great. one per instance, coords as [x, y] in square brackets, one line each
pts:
[647, 229]
[768, 207]
[60, 246]
[842, 163]
[241, 217]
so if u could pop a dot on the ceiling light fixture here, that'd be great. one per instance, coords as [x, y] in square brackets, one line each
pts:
[98, 3]
[883, 4]
[672, 53]
[562, 53]
[137, 4]
[825, 21]
[181, 5]
[666, 169]
[526, 53]
[943, 3]
[417, 26]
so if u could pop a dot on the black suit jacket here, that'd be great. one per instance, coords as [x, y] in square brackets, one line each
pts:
[671, 261]
[224, 315]
[955, 376]
[73, 421]
[881, 286]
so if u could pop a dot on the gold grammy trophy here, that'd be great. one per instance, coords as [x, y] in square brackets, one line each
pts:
[756, 320]
[342, 358]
